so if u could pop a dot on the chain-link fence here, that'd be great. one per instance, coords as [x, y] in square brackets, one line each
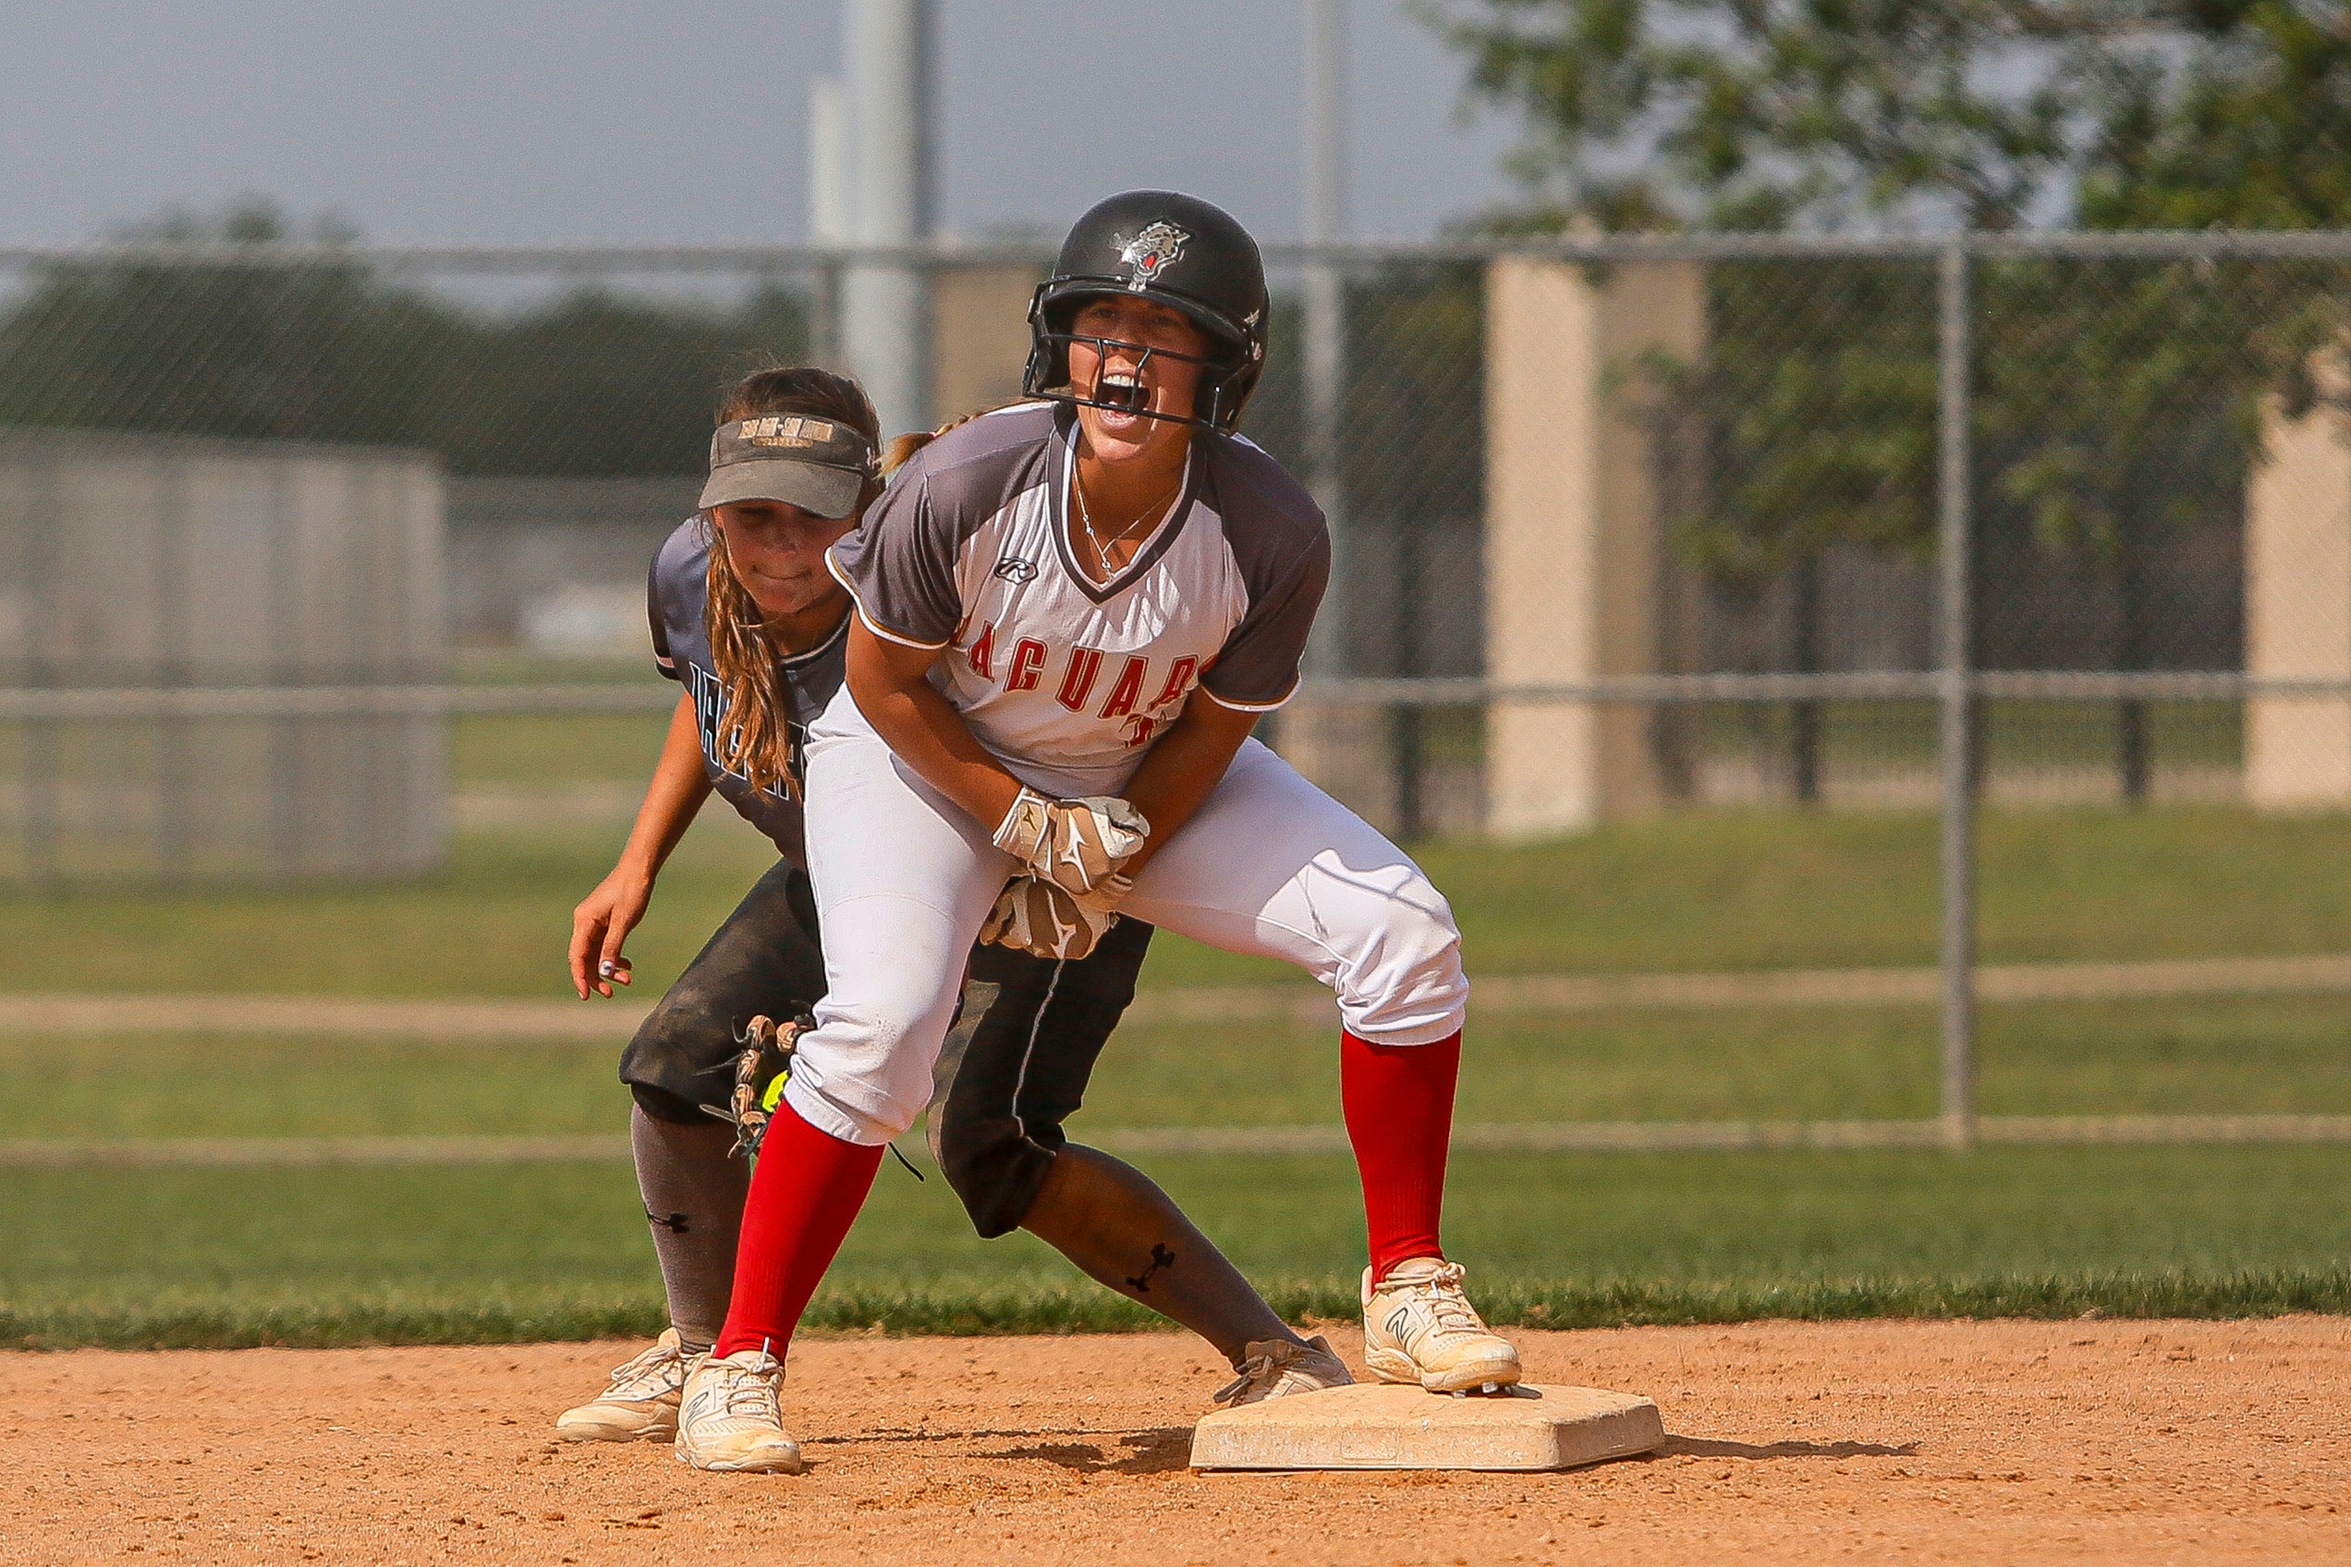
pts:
[1649, 542]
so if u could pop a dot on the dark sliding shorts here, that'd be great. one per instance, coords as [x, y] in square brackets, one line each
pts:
[1015, 1065]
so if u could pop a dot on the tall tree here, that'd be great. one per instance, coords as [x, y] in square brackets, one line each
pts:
[1771, 114]
[1827, 114]
[232, 337]
[2220, 114]
[2116, 401]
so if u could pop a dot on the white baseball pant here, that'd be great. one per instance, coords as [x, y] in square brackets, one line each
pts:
[1269, 865]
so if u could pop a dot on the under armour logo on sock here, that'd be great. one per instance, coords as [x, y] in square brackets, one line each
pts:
[1161, 1257]
[675, 1223]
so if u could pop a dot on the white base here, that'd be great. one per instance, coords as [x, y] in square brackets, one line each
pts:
[1383, 1426]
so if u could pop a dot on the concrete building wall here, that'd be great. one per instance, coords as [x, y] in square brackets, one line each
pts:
[2298, 610]
[148, 561]
[979, 337]
[1575, 571]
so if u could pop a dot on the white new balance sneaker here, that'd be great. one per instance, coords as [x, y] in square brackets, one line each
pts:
[1277, 1368]
[732, 1416]
[1418, 1326]
[640, 1405]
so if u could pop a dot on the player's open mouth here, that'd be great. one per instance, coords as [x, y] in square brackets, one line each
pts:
[1125, 398]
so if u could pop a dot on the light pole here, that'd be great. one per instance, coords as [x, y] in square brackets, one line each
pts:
[886, 302]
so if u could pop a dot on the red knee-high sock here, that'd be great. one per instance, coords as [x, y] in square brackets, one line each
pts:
[1399, 1105]
[804, 1196]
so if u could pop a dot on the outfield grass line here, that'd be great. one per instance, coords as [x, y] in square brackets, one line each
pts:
[1056, 1308]
[1189, 1141]
[35, 1153]
[608, 1023]
[604, 1022]
[1749, 1136]
[2088, 1130]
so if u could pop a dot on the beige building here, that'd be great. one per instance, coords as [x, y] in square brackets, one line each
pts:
[1576, 570]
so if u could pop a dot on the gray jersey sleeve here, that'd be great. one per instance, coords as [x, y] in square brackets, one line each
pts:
[900, 564]
[1284, 551]
[657, 617]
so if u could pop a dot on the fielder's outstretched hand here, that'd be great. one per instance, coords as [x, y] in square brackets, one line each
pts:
[599, 925]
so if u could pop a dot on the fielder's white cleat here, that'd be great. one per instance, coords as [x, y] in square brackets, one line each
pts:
[732, 1416]
[642, 1402]
[1418, 1327]
[1277, 1368]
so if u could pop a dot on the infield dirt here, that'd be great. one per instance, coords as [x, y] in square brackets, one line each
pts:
[2138, 1442]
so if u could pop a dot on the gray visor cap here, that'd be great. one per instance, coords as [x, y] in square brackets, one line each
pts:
[818, 465]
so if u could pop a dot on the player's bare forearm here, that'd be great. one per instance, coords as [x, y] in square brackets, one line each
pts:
[672, 799]
[891, 685]
[1184, 768]
[602, 921]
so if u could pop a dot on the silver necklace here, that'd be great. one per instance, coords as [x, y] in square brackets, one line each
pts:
[1086, 519]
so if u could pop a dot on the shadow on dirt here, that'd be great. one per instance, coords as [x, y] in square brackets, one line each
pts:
[1147, 1453]
[1696, 1447]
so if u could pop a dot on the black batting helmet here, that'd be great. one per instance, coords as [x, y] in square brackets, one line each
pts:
[1175, 250]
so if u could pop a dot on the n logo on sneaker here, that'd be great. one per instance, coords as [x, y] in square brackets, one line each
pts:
[1397, 1322]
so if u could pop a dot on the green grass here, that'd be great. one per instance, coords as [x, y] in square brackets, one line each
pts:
[496, 924]
[505, 666]
[2153, 1058]
[82, 1088]
[1855, 737]
[1707, 890]
[508, 751]
[230, 1257]
[1755, 1065]
[1754, 889]
[2206, 1057]
[2016, 735]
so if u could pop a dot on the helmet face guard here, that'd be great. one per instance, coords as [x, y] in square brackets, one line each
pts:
[1216, 402]
[1174, 250]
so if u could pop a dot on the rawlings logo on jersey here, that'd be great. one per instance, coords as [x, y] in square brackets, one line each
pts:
[1150, 253]
[1013, 569]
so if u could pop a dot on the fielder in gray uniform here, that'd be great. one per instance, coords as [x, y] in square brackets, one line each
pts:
[744, 616]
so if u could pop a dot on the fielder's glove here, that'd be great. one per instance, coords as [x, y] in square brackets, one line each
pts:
[1074, 844]
[762, 1067]
[1040, 918]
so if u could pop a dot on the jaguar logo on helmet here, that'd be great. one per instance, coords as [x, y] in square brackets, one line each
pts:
[1158, 247]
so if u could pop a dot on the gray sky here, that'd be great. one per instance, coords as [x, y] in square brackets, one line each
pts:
[526, 120]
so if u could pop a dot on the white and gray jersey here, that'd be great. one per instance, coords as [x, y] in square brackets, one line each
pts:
[969, 550]
[676, 602]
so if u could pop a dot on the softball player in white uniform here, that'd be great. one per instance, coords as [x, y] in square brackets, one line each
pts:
[744, 615]
[1069, 615]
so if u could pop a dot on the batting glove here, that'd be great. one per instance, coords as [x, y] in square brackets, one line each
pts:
[1074, 844]
[1045, 921]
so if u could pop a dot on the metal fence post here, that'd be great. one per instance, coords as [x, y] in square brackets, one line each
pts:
[1955, 547]
[824, 318]
[1325, 373]
[1325, 362]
